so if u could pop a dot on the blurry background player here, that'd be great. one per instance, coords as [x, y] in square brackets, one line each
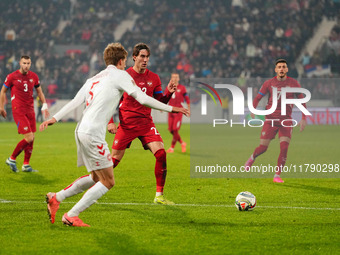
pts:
[21, 83]
[39, 113]
[136, 121]
[268, 132]
[175, 119]
[101, 94]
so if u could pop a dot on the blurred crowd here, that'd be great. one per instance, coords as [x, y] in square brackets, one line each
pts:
[202, 38]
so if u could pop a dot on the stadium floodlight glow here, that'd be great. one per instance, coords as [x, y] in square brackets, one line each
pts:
[238, 100]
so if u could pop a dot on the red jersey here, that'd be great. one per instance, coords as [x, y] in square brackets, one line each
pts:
[21, 86]
[131, 113]
[179, 96]
[267, 88]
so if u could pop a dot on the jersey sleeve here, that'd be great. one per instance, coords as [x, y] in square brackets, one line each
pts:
[8, 81]
[158, 93]
[37, 81]
[185, 96]
[263, 91]
[73, 104]
[127, 84]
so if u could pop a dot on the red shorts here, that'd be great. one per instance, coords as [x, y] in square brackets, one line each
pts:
[270, 129]
[124, 137]
[25, 122]
[174, 121]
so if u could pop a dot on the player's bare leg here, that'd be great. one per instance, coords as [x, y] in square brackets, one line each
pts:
[281, 161]
[157, 148]
[117, 156]
[104, 182]
[264, 143]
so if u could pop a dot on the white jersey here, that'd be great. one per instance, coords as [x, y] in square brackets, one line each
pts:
[101, 95]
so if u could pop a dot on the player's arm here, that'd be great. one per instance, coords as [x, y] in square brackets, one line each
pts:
[165, 98]
[44, 108]
[73, 104]
[131, 89]
[3, 100]
[303, 121]
[259, 96]
[111, 127]
[187, 99]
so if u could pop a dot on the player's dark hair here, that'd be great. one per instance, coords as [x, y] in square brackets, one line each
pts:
[25, 57]
[138, 47]
[281, 60]
[113, 53]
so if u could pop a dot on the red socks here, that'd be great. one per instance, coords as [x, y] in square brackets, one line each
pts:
[176, 137]
[19, 148]
[259, 150]
[28, 153]
[281, 161]
[160, 169]
[115, 162]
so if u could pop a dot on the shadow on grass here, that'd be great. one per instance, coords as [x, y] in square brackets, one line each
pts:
[34, 178]
[326, 190]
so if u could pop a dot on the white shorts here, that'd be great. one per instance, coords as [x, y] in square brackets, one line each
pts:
[93, 152]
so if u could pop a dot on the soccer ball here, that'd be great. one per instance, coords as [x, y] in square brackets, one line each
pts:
[245, 201]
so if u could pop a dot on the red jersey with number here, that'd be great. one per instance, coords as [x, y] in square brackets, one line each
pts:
[131, 113]
[21, 86]
[179, 96]
[267, 88]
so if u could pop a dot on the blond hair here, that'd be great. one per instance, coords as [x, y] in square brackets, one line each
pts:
[113, 53]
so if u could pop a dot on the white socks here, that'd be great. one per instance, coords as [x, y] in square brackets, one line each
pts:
[159, 194]
[89, 198]
[81, 184]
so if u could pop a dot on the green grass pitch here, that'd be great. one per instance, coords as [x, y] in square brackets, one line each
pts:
[300, 216]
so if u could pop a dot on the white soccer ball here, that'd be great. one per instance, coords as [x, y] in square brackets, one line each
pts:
[245, 201]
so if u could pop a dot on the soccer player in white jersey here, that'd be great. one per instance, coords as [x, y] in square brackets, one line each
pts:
[101, 94]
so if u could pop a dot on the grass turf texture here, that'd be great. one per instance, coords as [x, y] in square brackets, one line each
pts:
[205, 222]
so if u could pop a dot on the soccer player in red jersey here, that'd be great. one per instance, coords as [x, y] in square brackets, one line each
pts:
[175, 120]
[271, 128]
[136, 120]
[21, 83]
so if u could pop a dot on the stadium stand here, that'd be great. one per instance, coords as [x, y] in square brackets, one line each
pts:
[222, 38]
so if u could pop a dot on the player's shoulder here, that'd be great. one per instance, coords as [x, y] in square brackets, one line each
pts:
[181, 86]
[13, 74]
[292, 81]
[33, 74]
[151, 74]
[129, 70]
[270, 81]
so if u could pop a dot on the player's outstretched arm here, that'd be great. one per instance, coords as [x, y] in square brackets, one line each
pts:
[2, 101]
[46, 123]
[186, 112]
[44, 108]
[302, 124]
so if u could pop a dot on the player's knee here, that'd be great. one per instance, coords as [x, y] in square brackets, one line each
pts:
[160, 155]
[29, 137]
[109, 183]
[112, 183]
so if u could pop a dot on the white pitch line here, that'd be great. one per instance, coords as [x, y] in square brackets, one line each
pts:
[182, 205]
